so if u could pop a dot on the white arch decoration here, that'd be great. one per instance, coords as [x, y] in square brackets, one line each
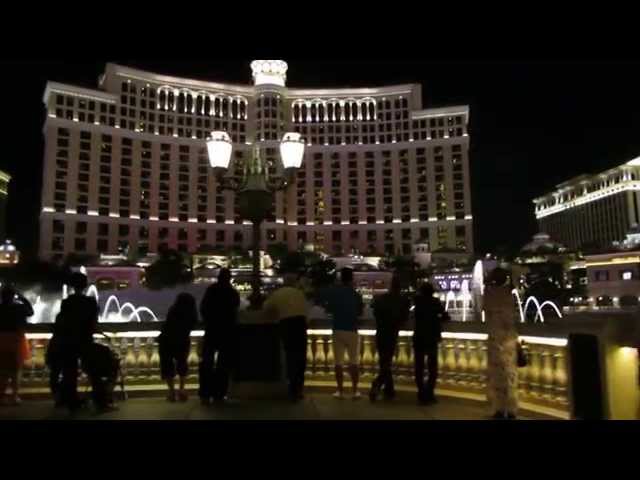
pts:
[359, 109]
[215, 101]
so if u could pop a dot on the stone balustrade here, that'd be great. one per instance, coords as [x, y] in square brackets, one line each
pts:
[462, 356]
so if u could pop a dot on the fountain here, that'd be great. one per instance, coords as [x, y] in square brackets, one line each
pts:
[45, 311]
[533, 300]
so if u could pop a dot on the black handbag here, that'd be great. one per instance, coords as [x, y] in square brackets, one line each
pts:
[522, 359]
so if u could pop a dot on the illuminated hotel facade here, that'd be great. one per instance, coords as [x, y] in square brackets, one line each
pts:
[125, 166]
[594, 210]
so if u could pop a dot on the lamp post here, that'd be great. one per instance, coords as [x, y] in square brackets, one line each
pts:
[255, 189]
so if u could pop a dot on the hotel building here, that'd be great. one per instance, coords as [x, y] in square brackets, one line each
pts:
[125, 165]
[594, 210]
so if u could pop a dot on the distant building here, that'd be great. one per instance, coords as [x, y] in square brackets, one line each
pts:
[126, 165]
[592, 210]
[615, 273]
[5, 178]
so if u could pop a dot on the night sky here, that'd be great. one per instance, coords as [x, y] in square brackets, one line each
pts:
[533, 125]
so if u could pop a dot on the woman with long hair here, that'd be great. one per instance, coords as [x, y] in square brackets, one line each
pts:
[502, 344]
[174, 344]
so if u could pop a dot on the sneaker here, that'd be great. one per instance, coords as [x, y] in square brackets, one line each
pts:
[498, 416]
[15, 401]
[511, 416]
[338, 395]
[171, 397]
[183, 396]
[356, 396]
[205, 402]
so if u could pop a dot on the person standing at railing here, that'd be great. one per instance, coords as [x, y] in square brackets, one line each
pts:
[219, 311]
[288, 305]
[72, 340]
[13, 344]
[345, 306]
[502, 344]
[391, 311]
[174, 344]
[429, 315]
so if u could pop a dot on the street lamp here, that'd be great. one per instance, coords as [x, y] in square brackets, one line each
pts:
[255, 190]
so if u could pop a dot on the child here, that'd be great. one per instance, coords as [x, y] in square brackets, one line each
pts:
[174, 344]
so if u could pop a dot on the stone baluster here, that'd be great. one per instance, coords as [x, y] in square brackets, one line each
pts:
[546, 374]
[473, 364]
[28, 370]
[193, 360]
[534, 372]
[482, 354]
[560, 374]
[404, 355]
[441, 365]
[154, 358]
[449, 361]
[462, 366]
[330, 354]
[524, 375]
[368, 365]
[40, 371]
[310, 362]
[321, 354]
[143, 359]
[375, 358]
[319, 357]
[129, 358]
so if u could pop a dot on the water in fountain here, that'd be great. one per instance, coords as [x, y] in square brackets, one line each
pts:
[47, 307]
[533, 300]
[462, 296]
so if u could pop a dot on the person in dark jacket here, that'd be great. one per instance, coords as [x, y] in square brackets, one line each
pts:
[429, 315]
[219, 311]
[391, 311]
[174, 344]
[13, 346]
[73, 338]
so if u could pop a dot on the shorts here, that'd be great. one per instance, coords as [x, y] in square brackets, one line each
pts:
[173, 359]
[349, 341]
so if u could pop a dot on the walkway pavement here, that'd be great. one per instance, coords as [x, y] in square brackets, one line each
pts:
[318, 405]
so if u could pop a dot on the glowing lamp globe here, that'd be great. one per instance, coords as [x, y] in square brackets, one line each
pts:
[219, 148]
[292, 150]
